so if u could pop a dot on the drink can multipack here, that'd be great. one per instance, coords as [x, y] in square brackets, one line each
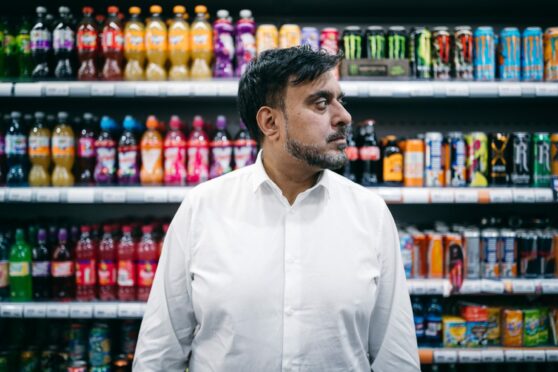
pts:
[397, 42]
[484, 57]
[329, 38]
[352, 42]
[420, 52]
[472, 246]
[375, 39]
[490, 254]
[413, 169]
[520, 159]
[267, 37]
[463, 53]
[289, 36]
[509, 56]
[509, 254]
[455, 158]
[551, 54]
[532, 61]
[310, 36]
[434, 172]
[441, 53]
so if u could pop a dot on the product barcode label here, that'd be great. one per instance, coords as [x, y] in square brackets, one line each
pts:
[492, 356]
[34, 311]
[58, 311]
[57, 90]
[469, 356]
[513, 355]
[11, 311]
[81, 311]
[105, 311]
[445, 356]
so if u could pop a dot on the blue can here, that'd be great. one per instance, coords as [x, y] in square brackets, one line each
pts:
[407, 247]
[509, 60]
[484, 61]
[532, 63]
[310, 36]
[456, 160]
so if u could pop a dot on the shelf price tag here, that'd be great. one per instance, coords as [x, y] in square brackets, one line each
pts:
[546, 89]
[483, 89]
[2, 195]
[492, 356]
[105, 311]
[81, 311]
[205, 89]
[5, 89]
[466, 196]
[552, 355]
[457, 90]
[509, 90]
[492, 286]
[20, 195]
[470, 286]
[523, 195]
[178, 90]
[176, 195]
[130, 310]
[57, 90]
[34, 310]
[434, 287]
[80, 195]
[469, 356]
[524, 286]
[47, 195]
[415, 196]
[102, 89]
[513, 355]
[549, 286]
[442, 195]
[11, 310]
[390, 195]
[113, 196]
[58, 310]
[534, 355]
[155, 195]
[28, 89]
[421, 90]
[544, 195]
[147, 90]
[227, 89]
[500, 196]
[380, 89]
[445, 356]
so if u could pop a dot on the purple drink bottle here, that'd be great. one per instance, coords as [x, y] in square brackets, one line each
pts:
[223, 32]
[245, 148]
[221, 150]
[128, 155]
[105, 147]
[245, 41]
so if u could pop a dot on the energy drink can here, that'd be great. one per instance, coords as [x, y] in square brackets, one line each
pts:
[77, 347]
[484, 58]
[551, 54]
[463, 53]
[527, 253]
[512, 328]
[509, 56]
[455, 158]
[413, 169]
[99, 345]
[490, 254]
[531, 319]
[454, 260]
[441, 53]
[375, 42]
[397, 42]
[471, 243]
[532, 62]
[434, 173]
[477, 162]
[267, 37]
[509, 254]
[499, 158]
[545, 253]
[541, 159]
[310, 36]
[420, 53]
[420, 254]
[520, 159]
[329, 38]
[554, 154]
[352, 42]
[289, 36]
[435, 256]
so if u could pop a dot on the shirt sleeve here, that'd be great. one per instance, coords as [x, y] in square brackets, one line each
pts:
[392, 339]
[168, 325]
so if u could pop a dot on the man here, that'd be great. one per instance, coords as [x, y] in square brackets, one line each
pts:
[283, 265]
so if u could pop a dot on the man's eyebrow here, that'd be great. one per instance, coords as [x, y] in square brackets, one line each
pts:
[323, 94]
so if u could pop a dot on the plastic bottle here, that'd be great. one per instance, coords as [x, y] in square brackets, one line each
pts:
[41, 44]
[392, 162]
[433, 323]
[245, 148]
[175, 154]
[41, 267]
[86, 269]
[147, 262]
[106, 273]
[23, 42]
[151, 154]
[418, 316]
[223, 44]
[128, 155]
[10, 51]
[221, 150]
[16, 152]
[369, 154]
[105, 148]
[156, 45]
[4, 266]
[179, 44]
[62, 269]
[3, 164]
[134, 46]
[127, 271]
[350, 169]
[87, 48]
[39, 152]
[63, 152]
[86, 155]
[198, 154]
[63, 39]
[113, 46]
[245, 41]
[202, 45]
[20, 269]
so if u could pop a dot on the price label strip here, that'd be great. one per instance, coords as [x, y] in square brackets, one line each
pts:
[47, 196]
[492, 356]
[130, 311]
[549, 286]
[457, 90]
[155, 195]
[524, 286]
[552, 355]
[11, 310]
[58, 310]
[534, 356]
[492, 286]
[57, 90]
[105, 311]
[34, 310]
[513, 356]
[80, 195]
[470, 286]
[415, 196]
[445, 356]
[102, 89]
[81, 311]
[469, 356]
[442, 196]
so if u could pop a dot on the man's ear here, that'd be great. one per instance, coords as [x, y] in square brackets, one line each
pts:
[267, 121]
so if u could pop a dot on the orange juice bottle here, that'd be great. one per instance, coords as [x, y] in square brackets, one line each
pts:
[202, 45]
[134, 46]
[156, 45]
[179, 44]
[151, 154]
[39, 152]
[63, 152]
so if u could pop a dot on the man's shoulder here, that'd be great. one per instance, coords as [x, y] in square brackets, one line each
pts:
[347, 188]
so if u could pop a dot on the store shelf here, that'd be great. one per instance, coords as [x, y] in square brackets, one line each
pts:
[443, 287]
[229, 88]
[78, 310]
[489, 355]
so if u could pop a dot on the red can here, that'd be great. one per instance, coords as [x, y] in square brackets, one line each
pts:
[441, 48]
[329, 40]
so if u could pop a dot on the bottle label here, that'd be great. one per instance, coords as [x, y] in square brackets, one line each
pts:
[85, 272]
[150, 158]
[62, 269]
[127, 160]
[126, 273]
[178, 40]
[40, 269]
[4, 274]
[86, 147]
[393, 168]
[156, 40]
[175, 160]
[62, 146]
[107, 272]
[368, 153]
[113, 40]
[352, 153]
[221, 161]
[63, 40]
[106, 158]
[19, 269]
[249, 46]
[414, 164]
[201, 41]
[40, 40]
[146, 272]
[225, 46]
[39, 146]
[16, 144]
[87, 40]
[198, 167]
[134, 41]
[244, 154]
[24, 44]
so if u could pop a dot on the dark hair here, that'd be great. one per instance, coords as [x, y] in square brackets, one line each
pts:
[266, 78]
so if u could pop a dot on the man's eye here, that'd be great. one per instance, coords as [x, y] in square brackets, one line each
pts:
[321, 105]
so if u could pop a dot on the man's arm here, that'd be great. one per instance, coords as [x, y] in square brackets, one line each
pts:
[167, 329]
[392, 340]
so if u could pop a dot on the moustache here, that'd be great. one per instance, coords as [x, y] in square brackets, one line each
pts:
[340, 134]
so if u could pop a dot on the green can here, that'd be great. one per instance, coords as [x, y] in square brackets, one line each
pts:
[375, 42]
[531, 321]
[544, 332]
[420, 52]
[352, 42]
[541, 159]
[397, 42]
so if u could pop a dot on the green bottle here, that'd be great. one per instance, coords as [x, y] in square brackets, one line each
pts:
[20, 269]
[23, 42]
[9, 48]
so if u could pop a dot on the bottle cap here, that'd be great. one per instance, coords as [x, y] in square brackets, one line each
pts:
[87, 10]
[242, 125]
[85, 229]
[147, 229]
[63, 10]
[222, 13]
[87, 116]
[152, 122]
[20, 234]
[126, 229]
[62, 117]
[39, 116]
[179, 9]
[16, 115]
[42, 235]
[175, 122]
[112, 9]
[41, 10]
[221, 122]
[62, 235]
[245, 13]
[156, 9]
[106, 123]
[135, 10]
[129, 123]
[198, 122]
[200, 9]
[107, 229]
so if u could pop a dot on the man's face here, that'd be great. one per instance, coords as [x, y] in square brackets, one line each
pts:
[316, 123]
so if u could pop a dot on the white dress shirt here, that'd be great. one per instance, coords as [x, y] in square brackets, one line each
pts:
[249, 283]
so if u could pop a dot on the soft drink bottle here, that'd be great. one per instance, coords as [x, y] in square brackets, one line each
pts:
[63, 152]
[369, 154]
[350, 169]
[39, 152]
[245, 41]
[16, 152]
[128, 155]
[86, 269]
[223, 33]
[105, 148]
[134, 46]
[107, 266]
[179, 44]
[20, 269]
[87, 36]
[418, 316]
[202, 44]
[113, 46]
[147, 262]
[198, 154]
[41, 267]
[63, 45]
[3, 165]
[221, 150]
[62, 269]
[127, 265]
[156, 45]
[175, 154]
[24, 50]
[86, 155]
[245, 148]
[10, 51]
[433, 323]
[4, 266]
[151, 154]
[41, 44]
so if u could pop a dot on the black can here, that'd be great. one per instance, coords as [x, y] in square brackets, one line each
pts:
[463, 53]
[352, 42]
[529, 264]
[544, 252]
[375, 39]
[499, 158]
[420, 54]
[520, 173]
[397, 42]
